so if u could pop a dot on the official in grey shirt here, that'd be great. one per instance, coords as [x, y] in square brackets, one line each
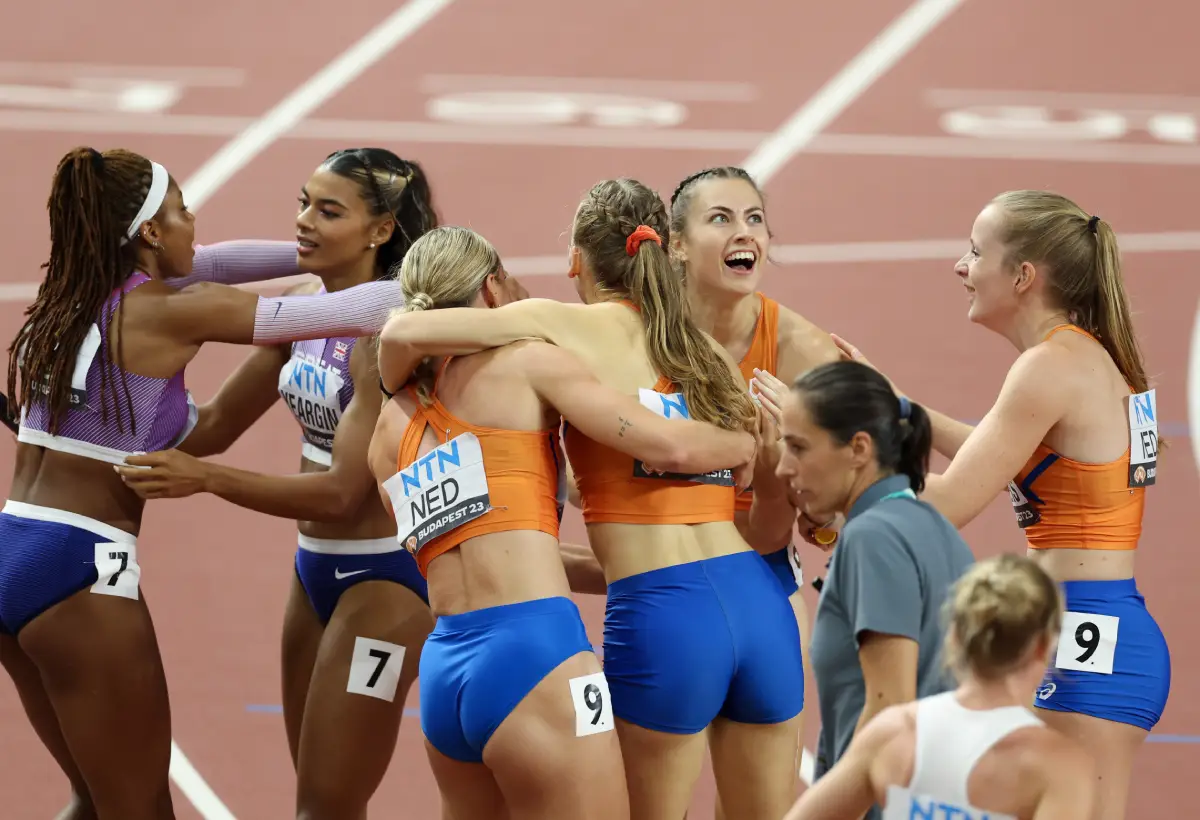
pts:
[851, 446]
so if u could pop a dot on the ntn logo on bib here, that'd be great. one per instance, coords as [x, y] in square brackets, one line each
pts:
[674, 405]
[439, 491]
[902, 804]
[316, 390]
[1143, 439]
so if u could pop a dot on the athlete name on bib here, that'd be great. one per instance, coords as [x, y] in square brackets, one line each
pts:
[311, 390]
[440, 491]
[1027, 514]
[673, 405]
[1143, 439]
[902, 804]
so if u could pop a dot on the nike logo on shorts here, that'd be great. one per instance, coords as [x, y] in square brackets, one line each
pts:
[339, 575]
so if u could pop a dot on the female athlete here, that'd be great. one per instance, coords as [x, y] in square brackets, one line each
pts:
[101, 363]
[720, 237]
[1073, 436]
[514, 706]
[691, 607]
[978, 750]
[354, 589]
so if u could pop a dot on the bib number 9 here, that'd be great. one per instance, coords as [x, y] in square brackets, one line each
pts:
[593, 707]
[1088, 642]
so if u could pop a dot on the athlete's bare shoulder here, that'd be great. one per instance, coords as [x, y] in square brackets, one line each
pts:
[802, 345]
[1062, 769]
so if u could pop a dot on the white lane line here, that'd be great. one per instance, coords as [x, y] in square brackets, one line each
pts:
[195, 789]
[343, 70]
[904, 250]
[880, 55]
[233, 157]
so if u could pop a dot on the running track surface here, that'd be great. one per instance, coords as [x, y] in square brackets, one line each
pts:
[494, 104]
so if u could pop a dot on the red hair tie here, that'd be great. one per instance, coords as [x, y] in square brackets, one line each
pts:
[640, 233]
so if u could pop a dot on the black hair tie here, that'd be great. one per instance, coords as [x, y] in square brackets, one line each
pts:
[1093, 223]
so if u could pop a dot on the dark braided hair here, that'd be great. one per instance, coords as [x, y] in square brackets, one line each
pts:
[93, 198]
[389, 185]
[677, 348]
[681, 200]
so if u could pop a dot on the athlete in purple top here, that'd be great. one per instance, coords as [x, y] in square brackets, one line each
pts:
[358, 613]
[100, 363]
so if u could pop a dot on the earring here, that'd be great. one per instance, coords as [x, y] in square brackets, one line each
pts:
[372, 246]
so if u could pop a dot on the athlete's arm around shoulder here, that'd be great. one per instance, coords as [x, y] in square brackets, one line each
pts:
[847, 790]
[409, 337]
[1036, 395]
[564, 381]
[244, 397]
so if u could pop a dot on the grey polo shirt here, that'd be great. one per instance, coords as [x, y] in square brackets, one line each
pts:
[890, 572]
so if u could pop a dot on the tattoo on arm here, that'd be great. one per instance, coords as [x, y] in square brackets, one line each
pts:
[625, 424]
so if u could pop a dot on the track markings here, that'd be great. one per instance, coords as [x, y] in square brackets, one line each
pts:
[817, 253]
[195, 789]
[880, 55]
[326, 83]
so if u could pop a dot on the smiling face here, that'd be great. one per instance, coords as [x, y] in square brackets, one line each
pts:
[334, 228]
[724, 238]
[988, 273]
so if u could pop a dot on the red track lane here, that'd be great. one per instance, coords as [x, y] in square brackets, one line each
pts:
[217, 576]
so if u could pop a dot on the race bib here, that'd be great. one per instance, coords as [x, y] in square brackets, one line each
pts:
[593, 706]
[902, 804]
[84, 357]
[673, 405]
[311, 390]
[1143, 439]
[117, 570]
[1087, 643]
[440, 491]
[375, 668]
[1027, 514]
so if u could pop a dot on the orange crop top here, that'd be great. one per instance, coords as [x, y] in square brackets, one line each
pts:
[763, 354]
[1065, 504]
[477, 481]
[615, 488]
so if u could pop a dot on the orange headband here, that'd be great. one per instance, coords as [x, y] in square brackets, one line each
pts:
[640, 233]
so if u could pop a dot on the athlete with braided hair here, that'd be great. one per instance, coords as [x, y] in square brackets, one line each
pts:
[354, 587]
[100, 362]
[697, 629]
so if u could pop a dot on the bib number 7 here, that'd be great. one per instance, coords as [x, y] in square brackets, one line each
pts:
[117, 570]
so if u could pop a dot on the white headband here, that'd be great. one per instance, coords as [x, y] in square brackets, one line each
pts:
[154, 199]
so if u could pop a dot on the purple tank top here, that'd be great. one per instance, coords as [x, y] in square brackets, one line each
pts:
[162, 408]
[317, 388]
